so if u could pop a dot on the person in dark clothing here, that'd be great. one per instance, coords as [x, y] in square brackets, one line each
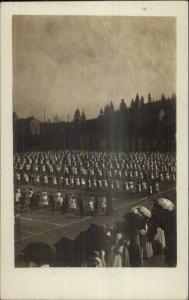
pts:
[23, 199]
[109, 243]
[96, 205]
[135, 250]
[63, 206]
[66, 200]
[52, 202]
[32, 199]
[81, 207]
[38, 197]
[31, 178]
[91, 206]
[165, 218]
[133, 224]
[109, 211]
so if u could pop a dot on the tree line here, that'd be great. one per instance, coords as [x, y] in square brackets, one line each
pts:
[139, 127]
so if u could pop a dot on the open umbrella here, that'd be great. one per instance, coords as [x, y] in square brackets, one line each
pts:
[166, 204]
[142, 210]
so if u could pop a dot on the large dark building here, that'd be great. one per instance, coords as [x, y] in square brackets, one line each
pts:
[143, 126]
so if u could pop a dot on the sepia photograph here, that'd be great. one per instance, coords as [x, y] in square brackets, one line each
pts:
[94, 150]
[94, 141]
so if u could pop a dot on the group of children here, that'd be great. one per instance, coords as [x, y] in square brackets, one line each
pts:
[141, 173]
[56, 201]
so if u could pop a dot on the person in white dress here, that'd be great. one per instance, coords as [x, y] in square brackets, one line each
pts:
[57, 200]
[45, 179]
[104, 204]
[54, 180]
[72, 203]
[17, 196]
[116, 257]
[45, 202]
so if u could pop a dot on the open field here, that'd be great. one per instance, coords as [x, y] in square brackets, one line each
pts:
[43, 226]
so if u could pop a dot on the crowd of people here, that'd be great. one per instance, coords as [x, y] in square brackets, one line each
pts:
[142, 235]
[141, 173]
[57, 202]
[143, 232]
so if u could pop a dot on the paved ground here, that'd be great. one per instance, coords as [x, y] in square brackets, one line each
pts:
[43, 226]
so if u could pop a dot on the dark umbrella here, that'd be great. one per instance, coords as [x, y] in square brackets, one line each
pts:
[39, 253]
[164, 213]
[134, 221]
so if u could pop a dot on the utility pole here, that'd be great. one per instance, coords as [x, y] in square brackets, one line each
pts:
[44, 115]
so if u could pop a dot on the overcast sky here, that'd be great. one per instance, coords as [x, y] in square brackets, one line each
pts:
[65, 62]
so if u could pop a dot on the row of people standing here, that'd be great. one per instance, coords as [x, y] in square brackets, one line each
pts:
[81, 168]
[38, 177]
[140, 187]
[94, 163]
[93, 205]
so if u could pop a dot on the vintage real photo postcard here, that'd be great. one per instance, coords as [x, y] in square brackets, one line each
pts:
[97, 109]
